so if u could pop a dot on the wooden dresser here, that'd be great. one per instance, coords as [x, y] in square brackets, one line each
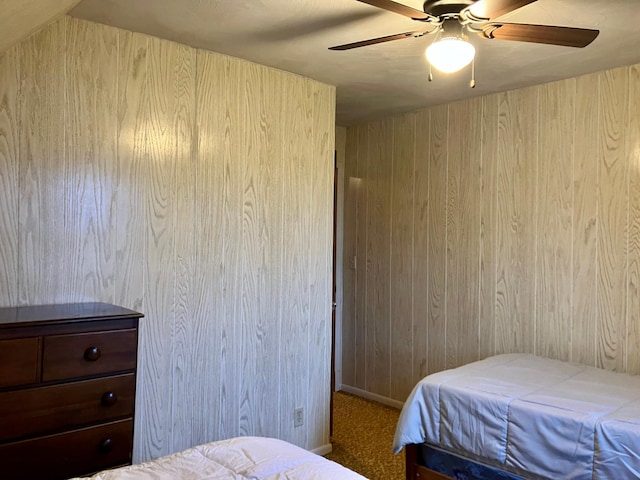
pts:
[67, 389]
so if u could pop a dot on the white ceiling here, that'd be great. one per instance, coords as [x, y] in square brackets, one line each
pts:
[387, 78]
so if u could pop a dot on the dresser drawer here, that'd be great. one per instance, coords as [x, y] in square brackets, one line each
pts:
[84, 354]
[49, 409]
[19, 360]
[69, 454]
[67, 389]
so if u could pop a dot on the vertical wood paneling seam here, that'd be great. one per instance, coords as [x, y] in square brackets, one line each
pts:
[66, 27]
[428, 238]
[65, 99]
[145, 220]
[17, 56]
[365, 322]
[145, 212]
[598, 199]
[413, 243]
[628, 224]
[63, 147]
[116, 180]
[495, 233]
[333, 263]
[536, 207]
[280, 109]
[243, 258]
[242, 264]
[240, 283]
[355, 152]
[354, 253]
[195, 158]
[280, 286]
[282, 257]
[573, 219]
[220, 394]
[480, 216]
[21, 170]
[173, 209]
[446, 231]
[535, 223]
[195, 163]
[390, 250]
[21, 186]
[361, 277]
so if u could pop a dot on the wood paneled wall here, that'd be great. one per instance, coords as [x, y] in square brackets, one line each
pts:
[195, 188]
[507, 223]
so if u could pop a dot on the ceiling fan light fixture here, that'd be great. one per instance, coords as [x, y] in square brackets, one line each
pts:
[450, 54]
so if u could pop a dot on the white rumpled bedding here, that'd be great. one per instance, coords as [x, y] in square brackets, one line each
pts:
[253, 458]
[530, 415]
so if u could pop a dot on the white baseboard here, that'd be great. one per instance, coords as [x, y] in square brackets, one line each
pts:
[371, 396]
[323, 450]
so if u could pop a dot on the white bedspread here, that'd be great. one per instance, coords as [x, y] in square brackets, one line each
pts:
[523, 413]
[243, 458]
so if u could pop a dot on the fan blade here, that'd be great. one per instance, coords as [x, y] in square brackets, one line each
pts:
[397, 8]
[373, 41]
[548, 34]
[497, 8]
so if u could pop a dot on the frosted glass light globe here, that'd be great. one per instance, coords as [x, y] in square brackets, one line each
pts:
[450, 54]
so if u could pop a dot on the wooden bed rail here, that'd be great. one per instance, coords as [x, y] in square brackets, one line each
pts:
[411, 460]
[415, 471]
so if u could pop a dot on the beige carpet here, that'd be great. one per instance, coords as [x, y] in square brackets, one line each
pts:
[362, 437]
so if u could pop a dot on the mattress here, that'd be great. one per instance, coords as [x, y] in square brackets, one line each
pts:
[243, 458]
[533, 416]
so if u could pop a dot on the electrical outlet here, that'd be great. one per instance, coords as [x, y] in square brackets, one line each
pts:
[298, 417]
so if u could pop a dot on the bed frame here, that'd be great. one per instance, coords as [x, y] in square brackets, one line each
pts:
[415, 471]
[418, 456]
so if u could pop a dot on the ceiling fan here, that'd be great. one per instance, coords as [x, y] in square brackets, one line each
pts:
[449, 19]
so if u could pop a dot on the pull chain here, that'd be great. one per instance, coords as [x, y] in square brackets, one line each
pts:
[472, 84]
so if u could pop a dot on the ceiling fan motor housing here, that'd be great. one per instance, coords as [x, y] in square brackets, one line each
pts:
[438, 8]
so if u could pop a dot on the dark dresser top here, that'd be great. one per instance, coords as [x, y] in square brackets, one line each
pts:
[44, 314]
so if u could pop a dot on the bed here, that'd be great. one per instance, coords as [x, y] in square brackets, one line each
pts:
[253, 458]
[522, 416]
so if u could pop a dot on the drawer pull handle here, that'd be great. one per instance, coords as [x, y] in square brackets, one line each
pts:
[92, 354]
[106, 445]
[109, 399]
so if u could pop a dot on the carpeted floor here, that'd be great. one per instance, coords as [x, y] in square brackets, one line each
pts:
[362, 437]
